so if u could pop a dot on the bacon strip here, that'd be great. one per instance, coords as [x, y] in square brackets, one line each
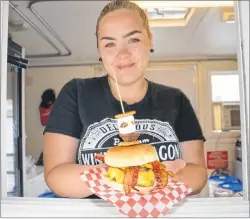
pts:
[135, 177]
[130, 179]
[161, 175]
[164, 178]
[170, 173]
[157, 172]
[99, 157]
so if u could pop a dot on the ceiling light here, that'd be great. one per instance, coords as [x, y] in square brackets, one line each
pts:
[228, 15]
[167, 13]
[183, 4]
[169, 17]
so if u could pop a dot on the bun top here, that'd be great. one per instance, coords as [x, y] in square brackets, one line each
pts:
[130, 155]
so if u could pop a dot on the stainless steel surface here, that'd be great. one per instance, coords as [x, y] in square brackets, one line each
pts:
[238, 169]
[241, 10]
[223, 193]
[238, 149]
[238, 153]
[4, 15]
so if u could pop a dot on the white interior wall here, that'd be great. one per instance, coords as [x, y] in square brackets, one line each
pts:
[178, 76]
[37, 81]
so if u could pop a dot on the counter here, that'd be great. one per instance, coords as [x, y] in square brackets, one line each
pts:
[191, 207]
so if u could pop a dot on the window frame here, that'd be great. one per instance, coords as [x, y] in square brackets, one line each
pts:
[206, 69]
[4, 14]
[34, 206]
[10, 155]
[242, 21]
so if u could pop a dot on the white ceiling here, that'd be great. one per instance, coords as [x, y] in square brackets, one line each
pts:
[74, 22]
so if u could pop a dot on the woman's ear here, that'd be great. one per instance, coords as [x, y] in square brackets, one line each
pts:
[151, 41]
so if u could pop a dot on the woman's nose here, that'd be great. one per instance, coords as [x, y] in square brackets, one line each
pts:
[123, 54]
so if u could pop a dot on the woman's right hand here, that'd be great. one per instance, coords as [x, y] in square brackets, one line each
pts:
[174, 165]
[61, 172]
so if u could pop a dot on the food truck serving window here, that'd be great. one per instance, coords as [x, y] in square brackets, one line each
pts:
[191, 207]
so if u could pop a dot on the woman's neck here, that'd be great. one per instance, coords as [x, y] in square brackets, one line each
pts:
[131, 93]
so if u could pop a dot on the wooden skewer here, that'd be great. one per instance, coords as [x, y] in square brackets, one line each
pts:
[118, 90]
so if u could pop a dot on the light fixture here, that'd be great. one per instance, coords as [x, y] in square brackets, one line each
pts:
[228, 15]
[167, 13]
[169, 17]
[183, 4]
[176, 13]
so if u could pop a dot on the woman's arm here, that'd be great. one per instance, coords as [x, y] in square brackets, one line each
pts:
[61, 173]
[191, 138]
[194, 174]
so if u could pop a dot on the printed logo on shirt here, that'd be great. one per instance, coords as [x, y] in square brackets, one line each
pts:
[103, 135]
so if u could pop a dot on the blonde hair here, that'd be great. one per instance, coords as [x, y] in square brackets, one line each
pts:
[123, 4]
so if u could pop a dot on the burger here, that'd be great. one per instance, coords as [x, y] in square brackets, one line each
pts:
[134, 167]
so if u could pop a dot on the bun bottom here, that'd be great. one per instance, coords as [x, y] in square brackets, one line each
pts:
[119, 187]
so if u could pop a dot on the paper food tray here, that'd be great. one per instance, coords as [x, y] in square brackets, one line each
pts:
[154, 204]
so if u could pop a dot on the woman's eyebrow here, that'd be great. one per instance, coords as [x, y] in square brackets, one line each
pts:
[125, 36]
[107, 38]
[131, 33]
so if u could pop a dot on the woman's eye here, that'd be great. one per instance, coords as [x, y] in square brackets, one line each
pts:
[109, 44]
[134, 40]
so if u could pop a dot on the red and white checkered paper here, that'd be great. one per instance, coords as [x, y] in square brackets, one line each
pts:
[154, 204]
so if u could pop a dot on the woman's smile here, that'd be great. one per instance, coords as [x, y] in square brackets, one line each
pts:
[125, 66]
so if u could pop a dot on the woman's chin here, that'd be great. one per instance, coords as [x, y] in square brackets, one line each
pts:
[128, 79]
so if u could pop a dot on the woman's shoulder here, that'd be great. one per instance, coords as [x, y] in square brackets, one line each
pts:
[88, 81]
[166, 90]
[85, 83]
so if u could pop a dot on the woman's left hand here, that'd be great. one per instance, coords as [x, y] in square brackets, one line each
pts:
[174, 165]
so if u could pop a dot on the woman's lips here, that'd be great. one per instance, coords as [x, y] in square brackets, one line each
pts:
[122, 67]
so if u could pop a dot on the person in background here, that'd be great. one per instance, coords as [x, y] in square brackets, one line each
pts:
[82, 121]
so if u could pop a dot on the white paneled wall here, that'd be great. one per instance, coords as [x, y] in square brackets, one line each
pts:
[178, 76]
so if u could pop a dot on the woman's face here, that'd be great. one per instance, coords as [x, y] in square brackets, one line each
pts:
[124, 45]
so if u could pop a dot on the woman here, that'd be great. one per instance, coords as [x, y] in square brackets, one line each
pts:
[82, 120]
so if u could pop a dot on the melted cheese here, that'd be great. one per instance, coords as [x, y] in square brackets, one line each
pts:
[115, 174]
[146, 177]
[149, 165]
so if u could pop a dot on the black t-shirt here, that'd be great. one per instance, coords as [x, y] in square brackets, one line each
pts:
[86, 109]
